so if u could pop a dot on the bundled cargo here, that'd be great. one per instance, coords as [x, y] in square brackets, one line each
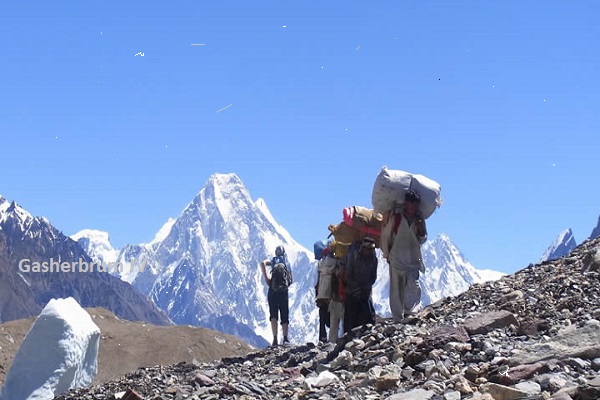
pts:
[391, 186]
[346, 234]
[339, 250]
[364, 219]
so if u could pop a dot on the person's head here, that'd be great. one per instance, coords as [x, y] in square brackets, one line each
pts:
[279, 251]
[367, 244]
[411, 202]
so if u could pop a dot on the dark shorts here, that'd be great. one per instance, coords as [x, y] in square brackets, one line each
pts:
[278, 304]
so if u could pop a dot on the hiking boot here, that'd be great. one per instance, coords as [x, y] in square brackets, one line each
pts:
[285, 341]
[274, 344]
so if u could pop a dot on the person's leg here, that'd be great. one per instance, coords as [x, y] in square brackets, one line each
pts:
[364, 316]
[273, 311]
[322, 325]
[352, 314]
[336, 312]
[285, 315]
[397, 283]
[412, 295]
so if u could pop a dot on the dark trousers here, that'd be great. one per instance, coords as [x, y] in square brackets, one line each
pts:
[358, 311]
[323, 320]
[278, 304]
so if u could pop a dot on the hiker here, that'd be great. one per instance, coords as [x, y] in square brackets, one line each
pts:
[280, 279]
[405, 232]
[360, 276]
[323, 290]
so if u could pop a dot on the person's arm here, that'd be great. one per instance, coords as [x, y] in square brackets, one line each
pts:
[263, 266]
[421, 230]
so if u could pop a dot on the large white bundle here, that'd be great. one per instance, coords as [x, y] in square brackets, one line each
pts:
[391, 186]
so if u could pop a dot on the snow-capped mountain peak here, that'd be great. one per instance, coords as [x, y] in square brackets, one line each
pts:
[562, 245]
[163, 231]
[18, 218]
[97, 245]
[3, 204]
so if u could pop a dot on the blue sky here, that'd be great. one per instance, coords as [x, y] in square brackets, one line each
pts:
[497, 101]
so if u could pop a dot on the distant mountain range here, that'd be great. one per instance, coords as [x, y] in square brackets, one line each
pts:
[203, 266]
[25, 240]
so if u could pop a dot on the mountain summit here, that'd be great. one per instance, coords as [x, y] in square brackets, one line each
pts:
[563, 245]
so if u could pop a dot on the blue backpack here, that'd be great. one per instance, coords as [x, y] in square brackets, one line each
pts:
[319, 247]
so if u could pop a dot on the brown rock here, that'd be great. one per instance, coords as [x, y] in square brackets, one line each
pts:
[203, 380]
[463, 386]
[489, 321]
[444, 334]
[517, 374]
[531, 327]
[131, 395]
[481, 396]
[562, 396]
[387, 382]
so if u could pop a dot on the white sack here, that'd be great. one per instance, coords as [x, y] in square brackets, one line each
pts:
[391, 186]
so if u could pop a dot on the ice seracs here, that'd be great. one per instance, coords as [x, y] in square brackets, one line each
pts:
[59, 353]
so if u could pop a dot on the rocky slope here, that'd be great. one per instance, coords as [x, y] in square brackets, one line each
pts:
[531, 335]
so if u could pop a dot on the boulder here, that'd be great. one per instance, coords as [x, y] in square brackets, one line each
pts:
[487, 322]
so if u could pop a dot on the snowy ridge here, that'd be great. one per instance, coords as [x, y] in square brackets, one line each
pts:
[562, 245]
[163, 231]
[97, 245]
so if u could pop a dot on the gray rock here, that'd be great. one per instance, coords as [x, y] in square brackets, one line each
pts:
[407, 373]
[552, 382]
[415, 394]
[529, 387]
[578, 363]
[452, 396]
[501, 392]
[571, 342]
